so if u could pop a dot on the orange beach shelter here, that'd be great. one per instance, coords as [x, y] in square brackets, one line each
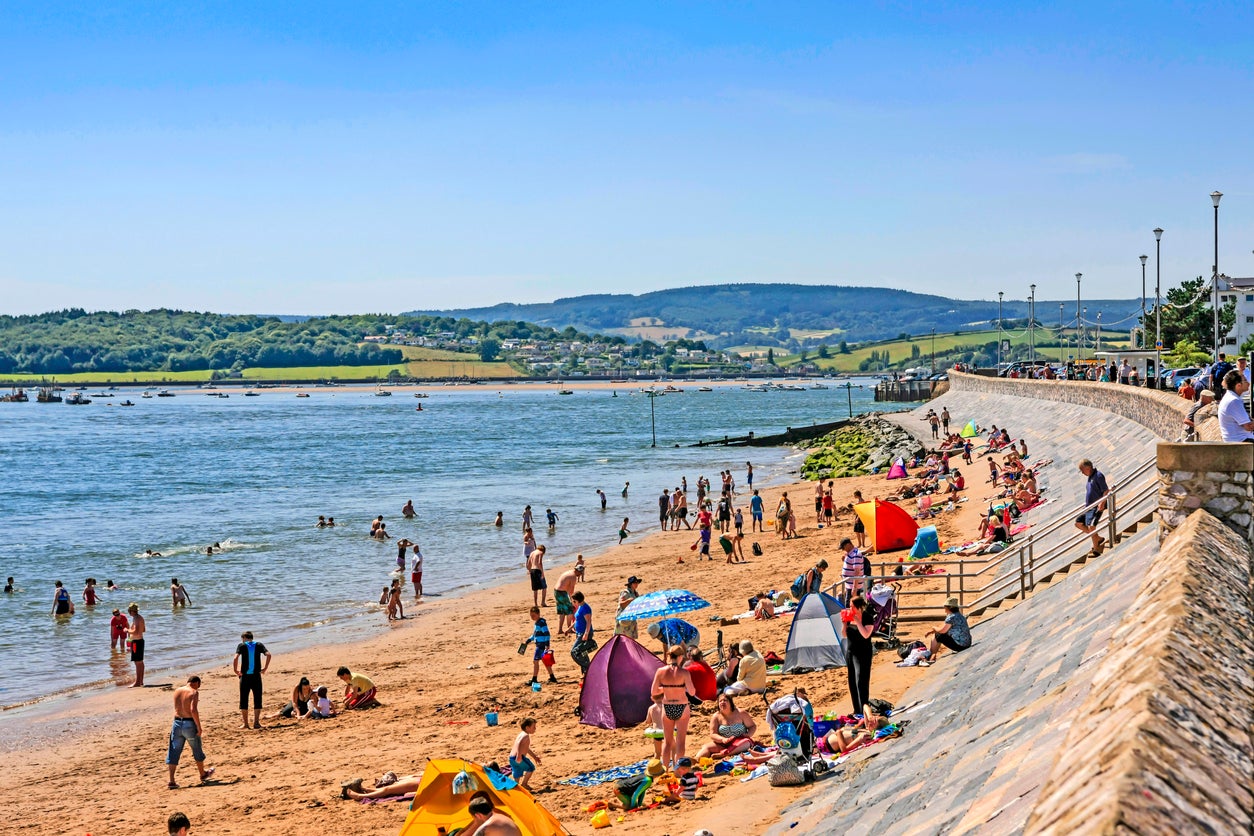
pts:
[889, 527]
[437, 806]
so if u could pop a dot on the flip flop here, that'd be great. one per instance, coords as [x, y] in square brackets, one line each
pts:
[208, 774]
[173, 785]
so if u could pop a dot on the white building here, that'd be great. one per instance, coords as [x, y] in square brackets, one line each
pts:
[1242, 292]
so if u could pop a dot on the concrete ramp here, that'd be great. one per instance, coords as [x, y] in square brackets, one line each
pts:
[976, 755]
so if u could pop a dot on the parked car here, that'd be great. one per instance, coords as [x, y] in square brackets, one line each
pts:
[1173, 378]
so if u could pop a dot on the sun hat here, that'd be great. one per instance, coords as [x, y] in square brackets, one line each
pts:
[1206, 393]
[654, 768]
[633, 579]
[952, 603]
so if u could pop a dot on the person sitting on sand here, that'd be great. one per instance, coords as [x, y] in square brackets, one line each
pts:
[750, 672]
[704, 680]
[728, 674]
[731, 731]
[359, 692]
[486, 820]
[846, 738]
[765, 607]
[298, 706]
[319, 707]
[994, 536]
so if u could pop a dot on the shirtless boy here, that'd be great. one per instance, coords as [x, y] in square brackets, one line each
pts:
[187, 729]
[486, 821]
[561, 597]
[135, 643]
[521, 755]
[539, 585]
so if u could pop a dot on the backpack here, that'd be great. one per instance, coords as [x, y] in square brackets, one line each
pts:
[631, 790]
[798, 588]
[757, 549]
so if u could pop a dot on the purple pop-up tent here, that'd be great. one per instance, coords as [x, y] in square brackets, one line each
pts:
[616, 690]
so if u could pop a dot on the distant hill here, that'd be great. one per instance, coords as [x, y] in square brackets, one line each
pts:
[776, 314]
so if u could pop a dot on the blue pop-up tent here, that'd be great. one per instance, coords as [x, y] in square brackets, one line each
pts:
[926, 543]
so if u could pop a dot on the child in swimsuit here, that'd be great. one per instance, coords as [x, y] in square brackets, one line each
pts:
[520, 756]
[118, 626]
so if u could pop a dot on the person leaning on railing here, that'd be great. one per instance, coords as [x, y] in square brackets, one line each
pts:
[1190, 420]
[1234, 421]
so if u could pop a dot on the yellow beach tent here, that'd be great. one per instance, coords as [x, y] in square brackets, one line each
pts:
[435, 804]
[969, 431]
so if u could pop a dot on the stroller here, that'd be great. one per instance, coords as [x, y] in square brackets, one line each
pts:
[883, 603]
[798, 761]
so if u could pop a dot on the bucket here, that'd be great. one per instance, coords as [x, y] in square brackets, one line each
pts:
[491, 718]
[535, 686]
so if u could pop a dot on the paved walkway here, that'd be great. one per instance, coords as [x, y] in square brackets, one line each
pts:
[975, 758]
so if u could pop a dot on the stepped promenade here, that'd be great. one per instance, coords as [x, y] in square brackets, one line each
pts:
[1117, 695]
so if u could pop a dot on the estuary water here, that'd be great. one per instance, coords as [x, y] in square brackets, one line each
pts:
[87, 489]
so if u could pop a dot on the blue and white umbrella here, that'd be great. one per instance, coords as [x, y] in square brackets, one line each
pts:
[661, 603]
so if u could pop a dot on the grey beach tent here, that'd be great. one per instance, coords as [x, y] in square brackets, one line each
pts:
[814, 641]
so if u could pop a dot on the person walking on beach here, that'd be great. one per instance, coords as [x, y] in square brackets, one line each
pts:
[539, 585]
[1095, 491]
[135, 643]
[584, 644]
[178, 593]
[561, 597]
[543, 640]
[415, 571]
[630, 593]
[186, 729]
[249, 666]
[755, 512]
[521, 754]
[681, 510]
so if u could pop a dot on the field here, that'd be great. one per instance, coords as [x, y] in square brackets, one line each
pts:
[899, 350]
[430, 366]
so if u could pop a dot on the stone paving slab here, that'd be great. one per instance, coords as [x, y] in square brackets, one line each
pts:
[974, 759]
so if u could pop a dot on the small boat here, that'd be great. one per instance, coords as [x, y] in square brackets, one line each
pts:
[48, 394]
[165, 393]
[705, 388]
[146, 395]
[101, 395]
[380, 392]
[302, 394]
[817, 386]
[223, 395]
[78, 400]
[251, 394]
[18, 395]
[565, 392]
[421, 395]
[127, 402]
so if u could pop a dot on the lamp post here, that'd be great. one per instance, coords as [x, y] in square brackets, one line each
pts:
[1079, 343]
[933, 351]
[1032, 325]
[1099, 331]
[652, 416]
[1158, 306]
[1000, 294]
[1062, 342]
[1144, 259]
[1214, 198]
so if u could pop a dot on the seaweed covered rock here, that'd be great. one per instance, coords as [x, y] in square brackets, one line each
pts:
[869, 443]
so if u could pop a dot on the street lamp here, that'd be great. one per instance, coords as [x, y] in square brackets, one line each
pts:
[1144, 259]
[1099, 331]
[1080, 344]
[1032, 325]
[1214, 198]
[653, 416]
[1158, 306]
[1062, 342]
[1000, 294]
[933, 351]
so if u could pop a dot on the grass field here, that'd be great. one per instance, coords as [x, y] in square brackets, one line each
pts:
[899, 350]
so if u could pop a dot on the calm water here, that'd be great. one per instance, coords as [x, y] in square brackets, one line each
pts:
[88, 488]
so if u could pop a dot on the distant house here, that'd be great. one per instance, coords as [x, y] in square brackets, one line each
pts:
[375, 339]
[1240, 291]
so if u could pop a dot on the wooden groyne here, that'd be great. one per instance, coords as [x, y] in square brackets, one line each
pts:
[788, 436]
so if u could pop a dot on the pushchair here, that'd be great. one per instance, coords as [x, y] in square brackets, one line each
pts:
[883, 603]
[798, 761]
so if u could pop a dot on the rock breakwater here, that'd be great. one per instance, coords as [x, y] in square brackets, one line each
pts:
[867, 445]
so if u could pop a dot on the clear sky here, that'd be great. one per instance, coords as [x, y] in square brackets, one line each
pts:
[350, 157]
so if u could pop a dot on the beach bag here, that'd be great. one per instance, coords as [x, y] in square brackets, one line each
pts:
[757, 549]
[464, 783]
[631, 790]
[783, 771]
[798, 587]
[787, 738]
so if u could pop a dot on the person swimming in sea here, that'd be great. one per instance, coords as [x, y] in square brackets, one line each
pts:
[8, 587]
[500, 519]
[179, 593]
[151, 553]
[408, 511]
[109, 585]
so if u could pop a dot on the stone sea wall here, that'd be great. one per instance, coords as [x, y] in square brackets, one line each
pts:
[1162, 743]
[1214, 476]
[1161, 412]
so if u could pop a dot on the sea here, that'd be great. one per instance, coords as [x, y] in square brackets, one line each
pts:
[87, 490]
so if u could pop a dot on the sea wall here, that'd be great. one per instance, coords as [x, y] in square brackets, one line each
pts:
[1214, 476]
[1163, 413]
[1163, 739]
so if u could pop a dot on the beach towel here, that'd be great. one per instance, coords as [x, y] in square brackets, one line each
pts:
[409, 796]
[604, 776]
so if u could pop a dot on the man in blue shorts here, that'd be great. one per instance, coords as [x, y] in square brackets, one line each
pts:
[1095, 490]
[755, 510]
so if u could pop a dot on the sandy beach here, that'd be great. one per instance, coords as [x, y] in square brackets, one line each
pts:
[94, 762]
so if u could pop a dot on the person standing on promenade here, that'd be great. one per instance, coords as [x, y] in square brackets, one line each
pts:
[249, 667]
[630, 593]
[664, 508]
[186, 729]
[539, 586]
[1234, 421]
[561, 597]
[135, 643]
[1095, 491]
[945, 419]
[1190, 420]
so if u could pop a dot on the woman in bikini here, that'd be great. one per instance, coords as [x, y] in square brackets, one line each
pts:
[673, 684]
[731, 731]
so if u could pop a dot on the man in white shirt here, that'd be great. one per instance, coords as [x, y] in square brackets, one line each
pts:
[1234, 421]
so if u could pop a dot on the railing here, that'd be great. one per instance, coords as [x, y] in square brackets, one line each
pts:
[1015, 570]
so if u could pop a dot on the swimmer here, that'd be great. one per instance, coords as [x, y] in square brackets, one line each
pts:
[330, 522]
[179, 593]
[109, 585]
[500, 519]
[8, 587]
[381, 533]
[375, 523]
[408, 511]
[321, 523]
[209, 550]
[90, 597]
[151, 553]
[61, 603]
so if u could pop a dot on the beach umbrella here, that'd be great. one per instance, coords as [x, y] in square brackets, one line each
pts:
[661, 603]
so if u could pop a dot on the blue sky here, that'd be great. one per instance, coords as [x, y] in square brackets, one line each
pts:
[388, 156]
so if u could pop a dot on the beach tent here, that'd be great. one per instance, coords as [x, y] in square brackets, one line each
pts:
[616, 691]
[927, 543]
[888, 526]
[898, 470]
[969, 431]
[436, 806]
[814, 638]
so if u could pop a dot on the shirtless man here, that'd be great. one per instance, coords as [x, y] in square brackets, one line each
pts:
[186, 729]
[408, 511]
[535, 568]
[486, 821]
[179, 593]
[561, 597]
[135, 643]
